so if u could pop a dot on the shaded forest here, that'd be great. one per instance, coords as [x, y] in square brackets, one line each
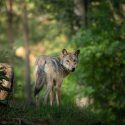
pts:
[92, 95]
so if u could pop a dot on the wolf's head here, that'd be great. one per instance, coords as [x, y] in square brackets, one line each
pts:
[69, 59]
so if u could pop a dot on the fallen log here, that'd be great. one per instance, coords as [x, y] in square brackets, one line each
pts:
[6, 81]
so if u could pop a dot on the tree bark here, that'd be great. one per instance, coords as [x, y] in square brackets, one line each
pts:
[81, 9]
[9, 6]
[27, 68]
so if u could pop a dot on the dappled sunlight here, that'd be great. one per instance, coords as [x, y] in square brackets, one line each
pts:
[82, 101]
[20, 52]
[45, 47]
[62, 38]
[123, 8]
[46, 20]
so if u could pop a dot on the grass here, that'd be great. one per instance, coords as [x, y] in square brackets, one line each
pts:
[63, 115]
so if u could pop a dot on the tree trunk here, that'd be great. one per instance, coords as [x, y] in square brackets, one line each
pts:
[26, 39]
[80, 9]
[9, 6]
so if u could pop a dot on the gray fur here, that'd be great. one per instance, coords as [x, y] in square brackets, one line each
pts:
[52, 70]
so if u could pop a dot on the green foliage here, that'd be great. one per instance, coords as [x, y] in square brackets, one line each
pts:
[100, 74]
[63, 115]
[102, 60]
[101, 71]
[62, 10]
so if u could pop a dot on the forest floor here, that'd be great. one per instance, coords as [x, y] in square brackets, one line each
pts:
[46, 115]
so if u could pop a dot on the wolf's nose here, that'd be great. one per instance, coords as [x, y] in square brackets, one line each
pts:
[73, 69]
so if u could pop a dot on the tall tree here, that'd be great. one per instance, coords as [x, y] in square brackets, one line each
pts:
[9, 6]
[26, 39]
[81, 9]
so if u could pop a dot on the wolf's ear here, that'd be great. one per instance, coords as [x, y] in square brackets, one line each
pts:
[77, 52]
[64, 52]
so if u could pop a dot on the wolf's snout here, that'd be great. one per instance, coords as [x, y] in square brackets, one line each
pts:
[73, 69]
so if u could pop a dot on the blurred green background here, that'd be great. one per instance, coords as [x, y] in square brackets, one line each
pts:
[45, 27]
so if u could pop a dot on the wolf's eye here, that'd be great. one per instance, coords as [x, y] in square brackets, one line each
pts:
[67, 61]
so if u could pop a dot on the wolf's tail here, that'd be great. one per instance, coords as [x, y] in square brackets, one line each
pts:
[36, 91]
[40, 79]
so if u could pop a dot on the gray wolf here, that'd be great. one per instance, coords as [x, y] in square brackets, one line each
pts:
[51, 71]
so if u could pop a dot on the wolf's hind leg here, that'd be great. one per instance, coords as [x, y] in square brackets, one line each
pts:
[49, 89]
[37, 100]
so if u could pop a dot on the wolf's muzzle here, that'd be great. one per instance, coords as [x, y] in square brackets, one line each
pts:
[73, 69]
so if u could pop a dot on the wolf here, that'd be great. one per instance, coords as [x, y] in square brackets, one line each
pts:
[51, 71]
